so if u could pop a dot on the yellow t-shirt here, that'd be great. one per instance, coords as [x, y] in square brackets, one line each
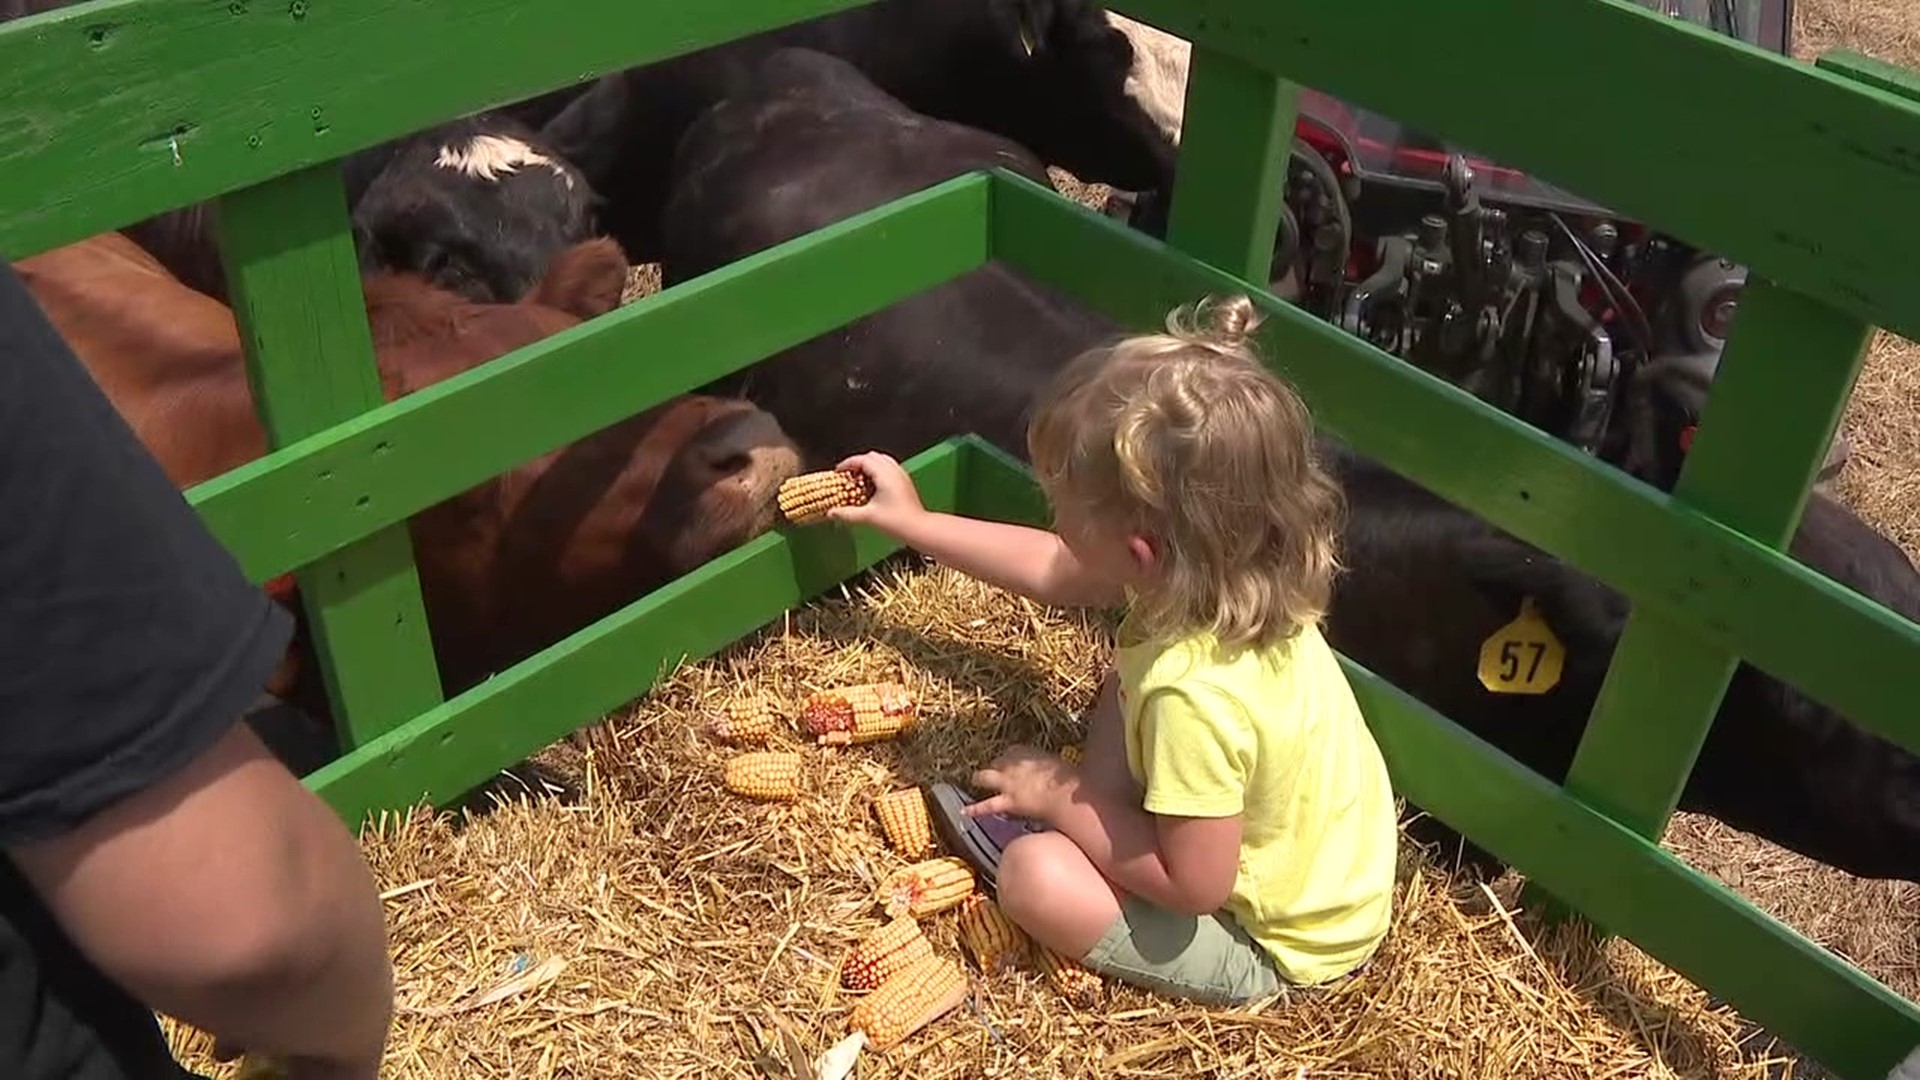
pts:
[1276, 736]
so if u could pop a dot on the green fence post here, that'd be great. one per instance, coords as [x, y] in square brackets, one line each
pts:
[1237, 132]
[295, 284]
[1783, 386]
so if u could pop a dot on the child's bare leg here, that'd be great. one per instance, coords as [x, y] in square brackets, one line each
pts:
[1048, 887]
[1105, 763]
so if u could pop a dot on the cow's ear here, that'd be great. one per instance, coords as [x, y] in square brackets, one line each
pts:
[1026, 25]
[585, 280]
[590, 130]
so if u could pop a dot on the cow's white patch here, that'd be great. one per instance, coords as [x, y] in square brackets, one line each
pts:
[1158, 80]
[488, 157]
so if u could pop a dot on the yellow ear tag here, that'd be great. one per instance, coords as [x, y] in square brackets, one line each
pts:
[1522, 657]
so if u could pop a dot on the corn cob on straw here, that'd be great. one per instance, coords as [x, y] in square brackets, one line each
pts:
[748, 719]
[806, 498]
[995, 941]
[858, 714]
[885, 951]
[926, 887]
[909, 1000]
[764, 774]
[1071, 754]
[903, 818]
[1068, 976]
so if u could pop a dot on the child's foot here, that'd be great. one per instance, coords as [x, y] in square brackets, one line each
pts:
[979, 841]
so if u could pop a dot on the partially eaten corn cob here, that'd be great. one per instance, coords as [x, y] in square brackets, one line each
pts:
[747, 719]
[765, 774]
[926, 887]
[806, 498]
[858, 714]
[903, 817]
[909, 1000]
[1068, 976]
[1071, 754]
[885, 951]
[995, 941]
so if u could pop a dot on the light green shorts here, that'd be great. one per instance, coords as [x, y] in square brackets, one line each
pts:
[1205, 958]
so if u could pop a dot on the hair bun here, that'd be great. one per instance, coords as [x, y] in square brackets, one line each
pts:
[1223, 322]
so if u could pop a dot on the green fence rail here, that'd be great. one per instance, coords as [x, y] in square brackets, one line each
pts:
[119, 109]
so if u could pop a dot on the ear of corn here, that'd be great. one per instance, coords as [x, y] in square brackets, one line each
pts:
[858, 714]
[764, 774]
[909, 1000]
[885, 951]
[1073, 981]
[903, 817]
[927, 887]
[995, 941]
[1071, 754]
[746, 720]
[806, 498]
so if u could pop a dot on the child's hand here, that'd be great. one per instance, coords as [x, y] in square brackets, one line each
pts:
[1028, 782]
[894, 499]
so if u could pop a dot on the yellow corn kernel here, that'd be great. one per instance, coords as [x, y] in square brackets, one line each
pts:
[996, 942]
[927, 887]
[1068, 976]
[748, 719]
[257, 1067]
[858, 714]
[764, 774]
[894, 946]
[1071, 754]
[903, 817]
[806, 498]
[909, 1000]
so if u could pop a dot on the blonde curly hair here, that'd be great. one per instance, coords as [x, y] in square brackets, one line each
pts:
[1186, 438]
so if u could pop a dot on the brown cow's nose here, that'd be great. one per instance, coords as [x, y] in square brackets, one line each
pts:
[749, 446]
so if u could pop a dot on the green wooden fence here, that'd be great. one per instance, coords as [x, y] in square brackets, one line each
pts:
[1810, 175]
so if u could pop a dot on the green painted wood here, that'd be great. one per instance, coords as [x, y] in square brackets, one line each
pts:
[1827, 170]
[1664, 554]
[1774, 977]
[1762, 440]
[1237, 134]
[101, 96]
[296, 299]
[319, 495]
[442, 753]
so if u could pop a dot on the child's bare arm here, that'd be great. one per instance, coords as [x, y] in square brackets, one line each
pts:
[1032, 562]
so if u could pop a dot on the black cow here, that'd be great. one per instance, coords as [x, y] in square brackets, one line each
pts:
[1051, 75]
[809, 141]
[1428, 582]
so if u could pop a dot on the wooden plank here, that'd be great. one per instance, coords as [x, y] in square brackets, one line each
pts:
[296, 299]
[1826, 169]
[1232, 171]
[442, 753]
[323, 493]
[1679, 560]
[1774, 977]
[119, 109]
[1762, 440]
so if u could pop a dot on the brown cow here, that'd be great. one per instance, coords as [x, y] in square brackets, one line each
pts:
[510, 565]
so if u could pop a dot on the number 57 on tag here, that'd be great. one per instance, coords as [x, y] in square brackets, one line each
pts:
[1522, 657]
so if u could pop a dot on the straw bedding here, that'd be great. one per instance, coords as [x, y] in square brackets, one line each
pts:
[654, 925]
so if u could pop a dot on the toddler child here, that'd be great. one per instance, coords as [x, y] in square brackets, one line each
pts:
[1231, 828]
